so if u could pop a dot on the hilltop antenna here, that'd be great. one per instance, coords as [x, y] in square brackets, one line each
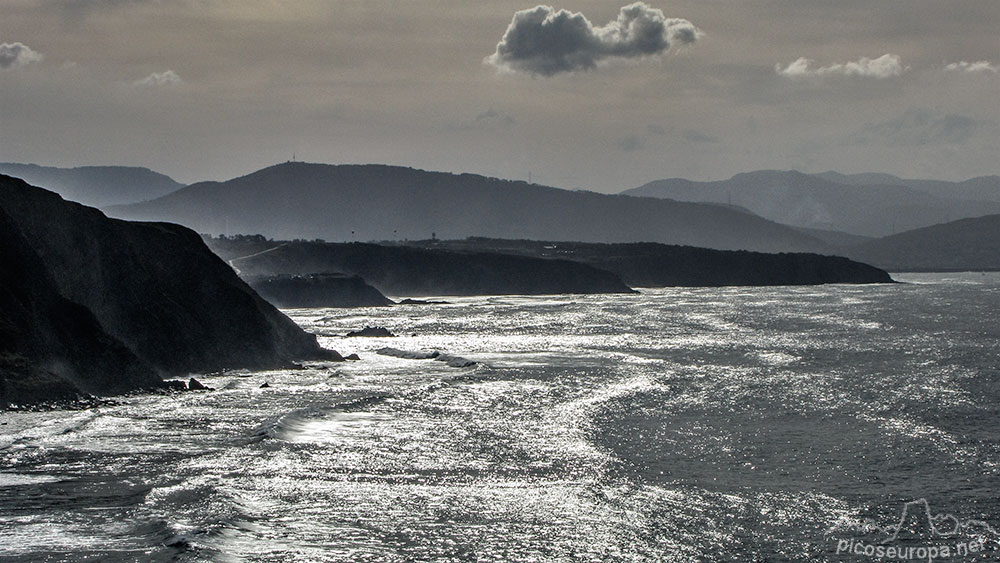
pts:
[529, 176]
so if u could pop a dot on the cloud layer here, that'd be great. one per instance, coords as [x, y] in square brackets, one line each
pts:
[544, 41]
[13, 55]
[159, 79]
[978, 66]
[886, 66]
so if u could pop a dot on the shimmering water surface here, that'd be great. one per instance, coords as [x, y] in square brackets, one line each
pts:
[733, 424]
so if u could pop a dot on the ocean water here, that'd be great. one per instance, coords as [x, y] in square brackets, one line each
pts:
[723, 424]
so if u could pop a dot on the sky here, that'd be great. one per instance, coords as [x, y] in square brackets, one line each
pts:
[591, 95]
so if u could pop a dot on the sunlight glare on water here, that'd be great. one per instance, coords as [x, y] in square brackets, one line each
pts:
[728, 424]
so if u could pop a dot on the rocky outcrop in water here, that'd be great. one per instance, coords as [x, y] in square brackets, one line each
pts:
[372, 332]
[102, 306]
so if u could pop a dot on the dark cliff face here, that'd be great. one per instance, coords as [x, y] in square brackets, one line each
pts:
[154, 287]
[50, 347]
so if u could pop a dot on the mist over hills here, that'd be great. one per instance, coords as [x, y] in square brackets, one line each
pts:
[376, 202]
[95, 185]
[966, 244]
[982, 188]
[871, 205]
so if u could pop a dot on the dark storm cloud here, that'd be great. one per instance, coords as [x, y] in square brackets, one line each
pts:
[544, 41]
[917, 127]
[13, 55]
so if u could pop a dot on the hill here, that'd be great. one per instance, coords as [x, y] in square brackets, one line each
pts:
[102, 305]
[476, 266]
[966, 244]
[96, 186]
[982, 188]
[374, 202]
[836, 202]
[660, 265]
[405, 271]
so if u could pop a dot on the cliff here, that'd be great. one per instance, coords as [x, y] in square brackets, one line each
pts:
[155, 289]
[50, 347]
[318, 290]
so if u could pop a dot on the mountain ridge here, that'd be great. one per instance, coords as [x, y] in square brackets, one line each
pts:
[966, 244]
[817, 201]
[380, 202]
[95, 186]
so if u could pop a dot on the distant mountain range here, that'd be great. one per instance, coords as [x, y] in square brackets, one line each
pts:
[95, 185]
[982, 188]
[766, 210]
[872, 205]
[966, 244]
[374, 202]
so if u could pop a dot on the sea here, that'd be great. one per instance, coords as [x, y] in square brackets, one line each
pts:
[822, 423]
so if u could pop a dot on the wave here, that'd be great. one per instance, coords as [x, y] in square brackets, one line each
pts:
[286, 426]
[449, 359]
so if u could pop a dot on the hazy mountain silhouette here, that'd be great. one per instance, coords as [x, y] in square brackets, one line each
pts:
[374, 202]
[982, 188]
[96, 186]
[966, 244]
[835, 202]
[101, 304]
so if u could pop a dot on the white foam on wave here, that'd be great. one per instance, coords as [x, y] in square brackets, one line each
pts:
[21, 479]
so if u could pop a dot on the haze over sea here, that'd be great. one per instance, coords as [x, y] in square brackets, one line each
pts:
[732, 424]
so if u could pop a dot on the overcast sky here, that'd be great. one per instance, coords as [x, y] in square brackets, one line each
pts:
[603, 96]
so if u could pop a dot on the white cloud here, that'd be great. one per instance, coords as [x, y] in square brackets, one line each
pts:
[978, 66]
[13, 55]
[886, 66]
[164, 78]
[545, 41]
